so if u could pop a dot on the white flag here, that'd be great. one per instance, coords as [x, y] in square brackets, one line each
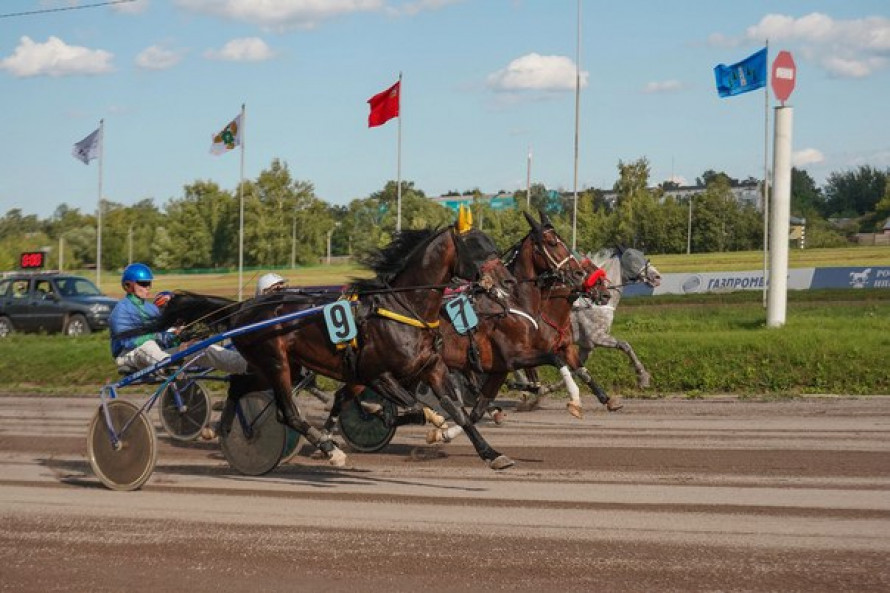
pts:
[228, 139]
[88, 148]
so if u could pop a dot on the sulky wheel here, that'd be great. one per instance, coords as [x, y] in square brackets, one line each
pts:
[291, 445]
[367, 431]
[256, 441]
[129, 464]
[183, 420]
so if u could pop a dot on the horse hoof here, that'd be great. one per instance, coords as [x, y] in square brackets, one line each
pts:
[498, 417]
[613, 404]
[501, 462]
[529, 404]
[575, 410]
[644, 380]
[433, 418]
[337, 458]
[208, 433]
[434, 436]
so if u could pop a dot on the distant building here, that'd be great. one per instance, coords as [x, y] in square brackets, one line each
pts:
[744, 193]
[500, 201]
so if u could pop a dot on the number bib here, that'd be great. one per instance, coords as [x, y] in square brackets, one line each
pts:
[340, 322]
[461, 313]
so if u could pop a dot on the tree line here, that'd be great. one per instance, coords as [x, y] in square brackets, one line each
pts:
[286, 224]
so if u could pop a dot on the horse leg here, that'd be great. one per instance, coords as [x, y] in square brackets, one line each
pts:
[293, 418]
[607, 341]
[486, 395]
[495, 460]
[643, 376]
[532, 390]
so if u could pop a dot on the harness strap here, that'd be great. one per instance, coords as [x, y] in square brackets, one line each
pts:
[406, 320]
[561, 332]
[524, 314]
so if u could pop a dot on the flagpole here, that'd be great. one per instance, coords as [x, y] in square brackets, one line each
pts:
[241, 207]
[399, 165]
[577, 111]
[765, 181]
[99, 212]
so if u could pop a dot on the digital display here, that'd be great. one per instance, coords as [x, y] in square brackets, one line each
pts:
[32, 259]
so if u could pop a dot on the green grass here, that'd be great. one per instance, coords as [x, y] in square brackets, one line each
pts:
[833, 342]
[227, 284]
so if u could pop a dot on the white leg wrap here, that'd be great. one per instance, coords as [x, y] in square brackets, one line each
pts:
[574, 392]
[450, 433]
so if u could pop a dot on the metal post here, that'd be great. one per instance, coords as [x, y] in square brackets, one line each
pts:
[689, 229]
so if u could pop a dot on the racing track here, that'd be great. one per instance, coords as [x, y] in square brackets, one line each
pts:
[668, 495]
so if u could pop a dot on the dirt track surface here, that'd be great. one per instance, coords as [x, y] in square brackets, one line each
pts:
[668, 495]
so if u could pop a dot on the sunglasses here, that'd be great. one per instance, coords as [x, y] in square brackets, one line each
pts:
[144, 284]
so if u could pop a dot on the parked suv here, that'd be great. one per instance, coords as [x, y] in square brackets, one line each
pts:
[52, 302]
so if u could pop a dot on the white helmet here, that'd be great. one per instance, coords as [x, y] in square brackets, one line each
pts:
[266, 282]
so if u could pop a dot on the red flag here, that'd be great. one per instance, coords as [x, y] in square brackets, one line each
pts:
[384, 106]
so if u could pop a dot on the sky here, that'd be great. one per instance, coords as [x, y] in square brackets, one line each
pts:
[484, 82]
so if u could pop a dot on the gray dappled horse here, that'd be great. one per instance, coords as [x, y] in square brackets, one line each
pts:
[592, 323]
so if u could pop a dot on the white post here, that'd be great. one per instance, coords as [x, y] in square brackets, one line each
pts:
[399, 164]
[241, 208]
[765, 186]
[61, 253]
[779, 214]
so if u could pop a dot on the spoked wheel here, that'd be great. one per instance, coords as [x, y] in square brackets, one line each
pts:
[128, 465]
[365, 430]
[291, 444]
[256, 441]
[184, 420]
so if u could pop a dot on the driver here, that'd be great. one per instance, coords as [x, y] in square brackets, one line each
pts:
[140, 351]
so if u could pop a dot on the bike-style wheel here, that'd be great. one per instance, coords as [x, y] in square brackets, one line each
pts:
[256, 441]
[184, 422]
[367, 430]
[291, 445]
[130, 463]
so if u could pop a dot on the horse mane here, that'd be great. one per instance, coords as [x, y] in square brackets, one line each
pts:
[388, 262]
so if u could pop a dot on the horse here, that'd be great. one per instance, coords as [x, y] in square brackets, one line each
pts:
[549, 277]
[397, 339]
[592, 322]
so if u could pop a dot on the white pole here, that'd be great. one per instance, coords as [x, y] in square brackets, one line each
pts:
[689, 229]
[61, 253]
[99, 214]
[781, 212]
[399, 165]
[528, 180]
[577, 113]
[241, 207]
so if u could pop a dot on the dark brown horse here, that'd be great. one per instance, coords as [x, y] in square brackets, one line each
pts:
[398, 340]
[538, 331]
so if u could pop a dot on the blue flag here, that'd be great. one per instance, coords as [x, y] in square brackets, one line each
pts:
[741, 77]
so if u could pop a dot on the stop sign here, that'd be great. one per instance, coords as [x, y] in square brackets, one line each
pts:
[784, 75]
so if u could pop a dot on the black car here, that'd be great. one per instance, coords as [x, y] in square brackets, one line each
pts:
[52, 302]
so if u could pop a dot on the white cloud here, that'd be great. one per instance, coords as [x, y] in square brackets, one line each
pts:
[417, 6]
[534, 72]
[853, 48]
[246, 49]
[56, 58]
[807, 156]
[663, 86]
[156, 57]
[281, 15]
[137, 7]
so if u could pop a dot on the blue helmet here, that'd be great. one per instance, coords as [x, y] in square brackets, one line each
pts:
[136, 273]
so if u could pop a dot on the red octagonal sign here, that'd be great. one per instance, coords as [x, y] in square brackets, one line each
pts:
[784, 75]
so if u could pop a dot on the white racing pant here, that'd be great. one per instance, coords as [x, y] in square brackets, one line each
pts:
[215, 356]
